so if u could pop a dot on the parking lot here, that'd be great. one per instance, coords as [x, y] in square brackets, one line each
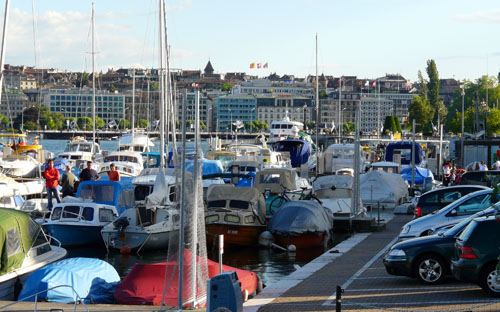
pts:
[373, 289]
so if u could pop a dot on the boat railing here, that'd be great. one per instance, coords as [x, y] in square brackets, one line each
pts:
[53, 238]
[78, 299]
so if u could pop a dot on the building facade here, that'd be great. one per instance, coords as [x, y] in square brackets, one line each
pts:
[278, 106]
[13, 103]
[231, 108]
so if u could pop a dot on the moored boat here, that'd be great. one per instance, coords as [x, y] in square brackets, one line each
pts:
[238, 213]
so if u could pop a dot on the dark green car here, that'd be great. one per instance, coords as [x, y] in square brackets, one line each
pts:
[476, 254]
[426, 258]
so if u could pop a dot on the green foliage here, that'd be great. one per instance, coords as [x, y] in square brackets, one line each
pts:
[348, 127]
[84, 123]
[142, 123]
[398, 124]
[322, 94]
[99, 123]
[390, 125]
[226, 86]
[30, 125]
[124, 123]
[421, 111]
[82, 79]
[190, 125]
[155, 86]
[112, 88]
[258, 125]
[310, 125]
[71, 119]
[4, 121]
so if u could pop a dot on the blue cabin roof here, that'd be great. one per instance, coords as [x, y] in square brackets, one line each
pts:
[405, 155]
[104, 192]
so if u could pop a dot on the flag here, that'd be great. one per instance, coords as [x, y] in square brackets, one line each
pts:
[72, 124]
[111, 123]
[374, 84]
[238, 124]
[367, 83]
[252, 65]
[408, 85]
[155, 123]
[259, 65]
[195, 85]
[265, 65]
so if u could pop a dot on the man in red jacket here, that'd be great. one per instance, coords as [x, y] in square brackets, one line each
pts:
[51, 182]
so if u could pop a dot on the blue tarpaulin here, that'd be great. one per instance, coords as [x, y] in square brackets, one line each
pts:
[93, 280]
[59, 163]
[208, 166]
[423, 176]
[299, 150]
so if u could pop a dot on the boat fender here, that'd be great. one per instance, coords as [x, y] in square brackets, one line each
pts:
[266, 239]
[292, 248]
[125, 250]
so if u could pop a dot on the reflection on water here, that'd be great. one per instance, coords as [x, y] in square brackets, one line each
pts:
[269, 264]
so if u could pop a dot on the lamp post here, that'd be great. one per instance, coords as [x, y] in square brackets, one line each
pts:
[251, 118]
[462, 145]
[341, 126]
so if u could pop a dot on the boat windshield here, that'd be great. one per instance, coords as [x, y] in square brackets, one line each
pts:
[98, 193]
[71, 148]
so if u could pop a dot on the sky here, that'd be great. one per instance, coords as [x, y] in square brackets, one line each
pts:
[364, 38]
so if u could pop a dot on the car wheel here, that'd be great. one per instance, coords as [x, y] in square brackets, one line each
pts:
[430, 269]
[487, 281]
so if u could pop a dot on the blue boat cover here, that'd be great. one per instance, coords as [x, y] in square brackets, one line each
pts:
[299, 150]
[93, 280]
[105, 192]
[405, 155]
[422, 175]
[301, 216]
[208, 166]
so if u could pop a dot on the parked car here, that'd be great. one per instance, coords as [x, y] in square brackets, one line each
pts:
[476, 254]
[480, 178]
[428, 258]
[457, 210]
[437, 199]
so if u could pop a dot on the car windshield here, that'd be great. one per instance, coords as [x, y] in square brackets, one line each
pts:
[457, 228]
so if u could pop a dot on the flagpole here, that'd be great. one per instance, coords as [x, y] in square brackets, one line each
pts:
[378, 110]
[340, 110]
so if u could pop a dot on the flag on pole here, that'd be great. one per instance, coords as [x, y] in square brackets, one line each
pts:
[265, 65]
[72, 124]
[374, 84]
[252, 65]
[259, 65]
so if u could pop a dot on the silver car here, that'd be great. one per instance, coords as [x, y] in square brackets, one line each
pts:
[457, 210]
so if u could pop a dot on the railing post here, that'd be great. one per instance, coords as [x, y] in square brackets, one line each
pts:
[338, 299]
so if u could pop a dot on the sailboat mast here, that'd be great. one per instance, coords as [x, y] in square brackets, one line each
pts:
[317, 108]
[93, 76]
[4, 40]
[160, 78]
[133, 104]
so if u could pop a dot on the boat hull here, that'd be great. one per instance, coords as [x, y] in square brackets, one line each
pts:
[135, 239]
[75, 235]
[234, 235]
[306, 240]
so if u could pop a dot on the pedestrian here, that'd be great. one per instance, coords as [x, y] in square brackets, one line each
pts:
[51, 182]
[68, 182]
[483, 166]
[496, 164]
[446, 174]
[113, 174]
[89, 174]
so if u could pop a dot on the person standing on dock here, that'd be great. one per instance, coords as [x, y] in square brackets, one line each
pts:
[113, 174]
[51, 182]
[68, 182]
[89, 174]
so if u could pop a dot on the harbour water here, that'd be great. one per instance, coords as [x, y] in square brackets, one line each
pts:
[269, 264]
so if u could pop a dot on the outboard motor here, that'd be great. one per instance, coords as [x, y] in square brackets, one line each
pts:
[120, 224]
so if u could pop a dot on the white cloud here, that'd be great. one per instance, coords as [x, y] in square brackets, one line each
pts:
[484, 17]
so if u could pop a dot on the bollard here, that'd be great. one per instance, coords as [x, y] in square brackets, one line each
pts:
[338, 299]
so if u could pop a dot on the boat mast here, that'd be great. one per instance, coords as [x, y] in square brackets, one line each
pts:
[160, 78]
[133, 108]
[93, 77]
[4, 40]
[317, 108]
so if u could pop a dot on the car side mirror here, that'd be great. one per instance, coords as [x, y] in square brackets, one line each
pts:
[453, 213]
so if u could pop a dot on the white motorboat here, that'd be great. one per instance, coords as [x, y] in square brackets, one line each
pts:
[27, 249]
[136, 143]
[128, 163]
[284, 129]
[80, 150]
[335, 193]
[154, 218]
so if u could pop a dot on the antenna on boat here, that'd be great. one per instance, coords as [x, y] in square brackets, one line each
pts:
[4, 40]
[93, 76]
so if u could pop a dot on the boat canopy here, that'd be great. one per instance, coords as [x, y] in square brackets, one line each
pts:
[422, 175]
[93, 280]
[339, 181]
[301, 216]
[241, 198]
[405, 148]
[299, 150]
[107, 192]
[59, 163]
[17, 234]
[380, 186]
[207, 166]
[160, 189]
[275, 180]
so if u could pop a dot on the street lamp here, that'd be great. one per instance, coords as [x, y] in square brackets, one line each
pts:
[462, 145]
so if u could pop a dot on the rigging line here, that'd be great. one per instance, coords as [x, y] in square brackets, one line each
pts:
[147, 30]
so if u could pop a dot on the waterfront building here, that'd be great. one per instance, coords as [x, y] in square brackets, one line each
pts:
[266, 86]
[235, 107]
[14, 101]
[274, 107]
[78, 103]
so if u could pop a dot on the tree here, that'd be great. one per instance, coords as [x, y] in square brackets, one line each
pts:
[84, 123]
[348, 127]
[99, 123]
[82, 79]
[322, 94]
[390, 125]
[421, 111]
[493, 122]
[142, 123]
[433, 93]
[30, 125]
[398, 124]
[124, 123]
[226, 86]
[190, 125]
[112, 88]
[310, 125]
[4, 121]
[260, 125]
